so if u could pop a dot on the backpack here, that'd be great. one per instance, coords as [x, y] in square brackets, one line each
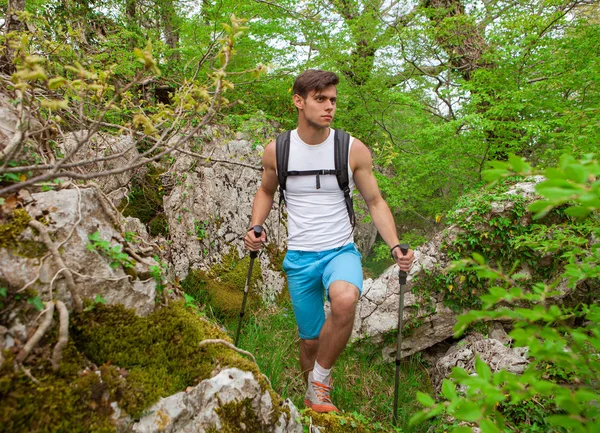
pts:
[341, 148]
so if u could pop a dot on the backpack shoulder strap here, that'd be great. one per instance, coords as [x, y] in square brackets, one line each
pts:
[341, 149]
[282, 154]
[342, 145]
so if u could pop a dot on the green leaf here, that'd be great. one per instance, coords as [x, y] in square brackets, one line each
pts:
[449, 389]
[462, 430]
[36, 302]
[468, 411]
[478, 258]
[578, 211]
[99, 300]
[555, 193]
[488, 426]
[564, 421]
[3, 291]
[482, 369]
[425, 399]
[519, 165]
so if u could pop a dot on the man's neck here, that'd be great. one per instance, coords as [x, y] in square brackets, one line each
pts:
[312, 135]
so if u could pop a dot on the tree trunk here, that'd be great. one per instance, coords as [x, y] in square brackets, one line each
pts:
[462, 40]
[170, 27]
[12, 24]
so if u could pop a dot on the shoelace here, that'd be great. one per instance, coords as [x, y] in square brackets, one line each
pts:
[322, 392]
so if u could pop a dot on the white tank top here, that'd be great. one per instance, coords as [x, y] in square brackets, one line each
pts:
[317, 218]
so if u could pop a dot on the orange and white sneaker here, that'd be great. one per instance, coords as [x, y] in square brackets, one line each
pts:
[318, 396]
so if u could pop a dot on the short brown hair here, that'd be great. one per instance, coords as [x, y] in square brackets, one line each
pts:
[314, 79]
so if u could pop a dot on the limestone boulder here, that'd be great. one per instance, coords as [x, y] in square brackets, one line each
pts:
[491, 351]
[210, 203]
[427, 321]
[116, 151]
[230, 401]
[71, 216]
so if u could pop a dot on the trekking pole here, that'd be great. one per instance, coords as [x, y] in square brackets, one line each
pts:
[253, 254]
[402, 277]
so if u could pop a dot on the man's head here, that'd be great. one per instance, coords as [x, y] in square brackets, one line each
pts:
[315, 97]
[314, 80]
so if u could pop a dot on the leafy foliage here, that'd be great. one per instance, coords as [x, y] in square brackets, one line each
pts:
[563, 339]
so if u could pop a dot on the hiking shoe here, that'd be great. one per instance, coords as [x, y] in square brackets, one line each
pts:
[318, 397]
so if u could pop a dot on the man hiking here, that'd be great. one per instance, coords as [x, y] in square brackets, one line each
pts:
[322, 259]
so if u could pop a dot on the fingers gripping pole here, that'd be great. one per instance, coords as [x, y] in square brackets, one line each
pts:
[253, 254]
[402, 279]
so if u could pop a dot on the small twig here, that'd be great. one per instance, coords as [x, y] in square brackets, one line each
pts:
[103, 200]
[29, 375]
[79, 217]
[136, 256]
[227, 344]
[36, 278]
[63, 334]
[53, 279]
[35, 339]
[93, 277]
[58, 262]
[210, 161]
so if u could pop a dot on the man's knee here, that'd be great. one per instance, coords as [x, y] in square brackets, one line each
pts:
[310, 346]
[344, 297]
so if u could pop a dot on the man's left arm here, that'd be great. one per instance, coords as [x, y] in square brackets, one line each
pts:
[361, 164]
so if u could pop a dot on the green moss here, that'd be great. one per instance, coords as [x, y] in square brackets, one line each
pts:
[145, 201]
[222, 287]
[10, 230]
[235, 413]
[160, 353]
[159, 225]
[57, 404]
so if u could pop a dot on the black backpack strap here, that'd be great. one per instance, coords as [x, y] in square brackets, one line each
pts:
[282, 154]
[342, 147]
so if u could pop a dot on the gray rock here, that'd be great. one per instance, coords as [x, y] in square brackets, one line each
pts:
[71, 219]
[491, 351]
[195, 411]
[429, 320]
[101, 145]
[209, 210]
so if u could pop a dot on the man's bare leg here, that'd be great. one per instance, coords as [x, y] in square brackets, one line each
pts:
[338, 327]
[308, 354]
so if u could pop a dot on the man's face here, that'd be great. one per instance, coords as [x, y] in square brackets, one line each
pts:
[319, 106]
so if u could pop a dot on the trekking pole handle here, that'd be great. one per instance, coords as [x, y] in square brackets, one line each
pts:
[257, 232]
[403, 274]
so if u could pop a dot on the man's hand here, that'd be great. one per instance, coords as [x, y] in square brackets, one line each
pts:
[252, 242]
[403, 261]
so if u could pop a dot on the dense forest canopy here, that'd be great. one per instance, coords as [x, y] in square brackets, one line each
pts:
[436, 89]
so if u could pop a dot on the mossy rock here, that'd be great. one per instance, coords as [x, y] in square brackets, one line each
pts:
[141, 359]
[11, 227]
[222, 287]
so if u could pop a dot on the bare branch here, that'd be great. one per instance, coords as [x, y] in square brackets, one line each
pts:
[35, 339]
[58, 262]
[63, 334]
[228, 344]
[207, 160]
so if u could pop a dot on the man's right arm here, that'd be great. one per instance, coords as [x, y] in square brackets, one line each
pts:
[263, 200]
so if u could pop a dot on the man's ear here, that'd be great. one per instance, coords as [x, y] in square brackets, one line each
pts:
[298, 101]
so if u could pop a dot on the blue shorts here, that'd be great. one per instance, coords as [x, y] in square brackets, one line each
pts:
[309, 276]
